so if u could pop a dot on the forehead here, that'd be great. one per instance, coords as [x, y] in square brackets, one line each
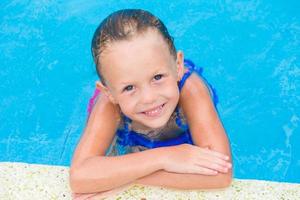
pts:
[145, 51]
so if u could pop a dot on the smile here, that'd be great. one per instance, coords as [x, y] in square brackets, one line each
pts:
[154, 112]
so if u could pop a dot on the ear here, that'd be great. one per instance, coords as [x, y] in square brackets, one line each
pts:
[180, 65]
[106, 91]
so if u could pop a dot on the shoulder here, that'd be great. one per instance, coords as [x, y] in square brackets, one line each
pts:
[104, 107]
[100, 130]
[195, 86]
[196, 100]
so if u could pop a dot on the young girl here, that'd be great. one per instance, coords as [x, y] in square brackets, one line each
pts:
[152, 119]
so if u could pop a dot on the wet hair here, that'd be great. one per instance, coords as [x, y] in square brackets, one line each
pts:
[123, 25]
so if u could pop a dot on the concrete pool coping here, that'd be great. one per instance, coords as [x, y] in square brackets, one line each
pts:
[36, 181]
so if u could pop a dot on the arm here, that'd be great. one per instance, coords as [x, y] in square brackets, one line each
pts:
[91, 171]
[100, 173]
[207, 131]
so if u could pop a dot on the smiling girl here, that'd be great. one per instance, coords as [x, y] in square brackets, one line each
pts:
[153, 121]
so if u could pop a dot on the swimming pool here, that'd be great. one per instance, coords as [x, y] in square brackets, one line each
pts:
[249, 52]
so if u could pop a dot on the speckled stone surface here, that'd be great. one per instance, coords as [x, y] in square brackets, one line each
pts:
[31, 181]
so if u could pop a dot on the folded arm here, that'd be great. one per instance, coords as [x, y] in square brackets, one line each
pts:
[91, 171]
[207, 131]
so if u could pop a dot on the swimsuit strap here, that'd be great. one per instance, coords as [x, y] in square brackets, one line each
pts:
[190, 68]
[92, 100]
[179, 121]
[212, 92]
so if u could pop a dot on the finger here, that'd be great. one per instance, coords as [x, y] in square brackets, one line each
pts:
[218, 161]
[212, 165]
[213, 158]
[205, 171]
[215, 153]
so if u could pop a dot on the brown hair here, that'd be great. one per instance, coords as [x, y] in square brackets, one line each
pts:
[123, 25]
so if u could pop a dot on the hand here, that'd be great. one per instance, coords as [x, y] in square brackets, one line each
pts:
[186, 158]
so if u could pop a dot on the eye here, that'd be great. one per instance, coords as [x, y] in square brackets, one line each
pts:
[128, 88]
[158, 77]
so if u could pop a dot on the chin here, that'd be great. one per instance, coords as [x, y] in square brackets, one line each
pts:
[156, 124]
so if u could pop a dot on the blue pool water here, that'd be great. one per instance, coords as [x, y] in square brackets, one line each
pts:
[249, 51]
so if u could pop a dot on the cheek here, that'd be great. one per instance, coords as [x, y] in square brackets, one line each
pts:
[175, 94]
[171, 91]
[127, 105]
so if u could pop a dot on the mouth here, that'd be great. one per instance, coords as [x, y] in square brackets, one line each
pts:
[154, 112]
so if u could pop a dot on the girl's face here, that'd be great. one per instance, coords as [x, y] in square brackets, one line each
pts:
[141, 77]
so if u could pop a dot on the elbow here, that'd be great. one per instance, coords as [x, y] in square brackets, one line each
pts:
[75, 181]
[226, 180]
[80, 181]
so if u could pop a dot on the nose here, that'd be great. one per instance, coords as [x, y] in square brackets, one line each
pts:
[148, 95]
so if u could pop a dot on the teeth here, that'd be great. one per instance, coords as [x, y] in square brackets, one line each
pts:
[153, 112]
